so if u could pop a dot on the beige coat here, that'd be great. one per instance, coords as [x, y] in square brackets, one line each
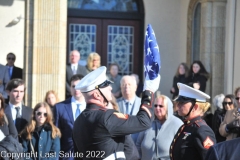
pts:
[229, 117]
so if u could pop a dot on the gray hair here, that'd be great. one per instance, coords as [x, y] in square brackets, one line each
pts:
[217, 101]
[129, 76]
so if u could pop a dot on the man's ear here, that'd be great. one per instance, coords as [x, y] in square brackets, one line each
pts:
[195, 106]
[8, 92]
[96, 95]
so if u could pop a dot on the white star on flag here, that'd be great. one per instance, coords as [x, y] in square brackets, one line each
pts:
[149, 68]
[149, 51]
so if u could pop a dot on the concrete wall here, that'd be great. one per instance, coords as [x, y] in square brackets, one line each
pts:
[12, 35]
[169, 21]
[232, 74]
[236, 73]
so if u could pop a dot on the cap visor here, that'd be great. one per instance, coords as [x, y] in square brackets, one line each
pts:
[184, 99]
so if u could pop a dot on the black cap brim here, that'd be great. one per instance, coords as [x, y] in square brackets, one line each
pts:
[184, 99]
[105, 84]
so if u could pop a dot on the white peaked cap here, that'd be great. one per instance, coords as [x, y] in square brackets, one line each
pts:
[92, 80]
[189, 92]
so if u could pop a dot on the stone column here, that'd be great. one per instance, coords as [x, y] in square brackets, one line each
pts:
[45, 49]
[212, 49]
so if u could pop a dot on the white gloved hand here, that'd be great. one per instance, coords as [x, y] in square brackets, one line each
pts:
[152, 85]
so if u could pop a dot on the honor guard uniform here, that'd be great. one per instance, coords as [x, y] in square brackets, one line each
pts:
[99, 132]
[194, 137]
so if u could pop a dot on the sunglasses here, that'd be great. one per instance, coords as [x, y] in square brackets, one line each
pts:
[156, 105]
[11, 58]
[41, 113]
[237, 98]
[225, 103]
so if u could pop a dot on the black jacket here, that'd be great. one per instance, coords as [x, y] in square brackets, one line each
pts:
[198, 78]
[227, 150]
[218, 117]
[16, 73]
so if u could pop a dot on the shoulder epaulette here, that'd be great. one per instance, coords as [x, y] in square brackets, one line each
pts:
[200, 122]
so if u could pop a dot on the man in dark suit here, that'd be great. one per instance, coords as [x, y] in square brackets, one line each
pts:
[14, 72]
[65, 114]
[19, 113]
[72, 69]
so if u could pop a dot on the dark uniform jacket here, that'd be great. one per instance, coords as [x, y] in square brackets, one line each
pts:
[192, 140]
[104, 130]
[228, 150]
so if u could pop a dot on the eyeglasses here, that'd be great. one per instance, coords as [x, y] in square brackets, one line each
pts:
[11, 58]
[225, 103]
[41, 113]
[156, 105]
[237, 98]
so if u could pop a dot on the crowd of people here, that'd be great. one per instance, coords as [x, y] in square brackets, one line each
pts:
[108, 116]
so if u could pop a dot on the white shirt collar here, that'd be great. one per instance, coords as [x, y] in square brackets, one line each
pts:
[131, 101]
[74, 65]
[13, 106]
[74, 103]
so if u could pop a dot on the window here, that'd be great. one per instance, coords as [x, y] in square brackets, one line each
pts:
[104, 5]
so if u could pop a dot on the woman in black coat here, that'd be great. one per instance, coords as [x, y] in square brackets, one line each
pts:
[198, 76]
[7, 126]
[180, 76]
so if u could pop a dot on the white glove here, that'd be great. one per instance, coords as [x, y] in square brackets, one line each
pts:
[152, 85]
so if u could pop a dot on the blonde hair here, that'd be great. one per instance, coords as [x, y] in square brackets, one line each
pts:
[203, 106]
[26, 133]
[165, 101]
[91, 56]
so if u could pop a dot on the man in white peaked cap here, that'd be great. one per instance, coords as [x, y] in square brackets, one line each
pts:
[99, 132]
[194, 137]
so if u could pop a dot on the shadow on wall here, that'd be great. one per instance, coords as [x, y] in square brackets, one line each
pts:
[6, 2]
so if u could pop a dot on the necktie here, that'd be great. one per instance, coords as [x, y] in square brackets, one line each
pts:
[18, 112]
[127, 107]
[77, 111]
[74, 70]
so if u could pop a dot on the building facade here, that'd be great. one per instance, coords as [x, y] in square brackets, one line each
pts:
[42, 32]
